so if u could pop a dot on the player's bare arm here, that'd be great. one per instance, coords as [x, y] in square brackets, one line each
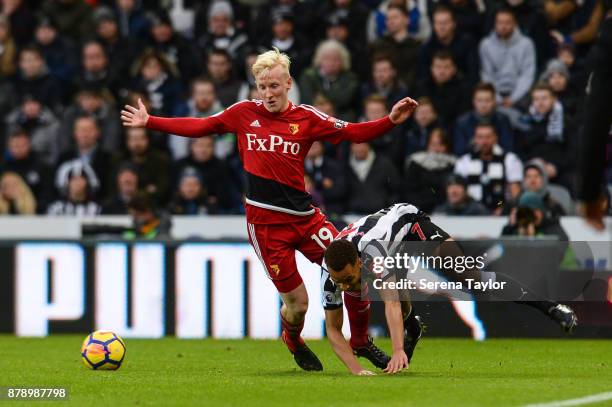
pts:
[395, 322]
[133, 117]
[333, 326]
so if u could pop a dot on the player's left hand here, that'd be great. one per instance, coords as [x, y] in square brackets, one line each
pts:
[398, 361]
[402, 110]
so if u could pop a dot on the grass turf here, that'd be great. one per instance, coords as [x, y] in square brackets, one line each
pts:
[444, 372]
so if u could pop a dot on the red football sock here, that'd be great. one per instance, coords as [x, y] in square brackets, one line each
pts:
[359, 317]
[291, 334]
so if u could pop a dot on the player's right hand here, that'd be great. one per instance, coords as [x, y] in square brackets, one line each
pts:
[365, 372]
[398, 361]
[132, 117]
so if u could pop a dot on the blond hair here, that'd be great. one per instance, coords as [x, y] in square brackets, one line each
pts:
[334, 46]
[268, 60]
[25, 204]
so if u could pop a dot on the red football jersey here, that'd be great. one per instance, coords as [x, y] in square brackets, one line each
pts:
[272, 147]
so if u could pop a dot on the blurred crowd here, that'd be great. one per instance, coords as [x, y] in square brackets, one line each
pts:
[499, 83]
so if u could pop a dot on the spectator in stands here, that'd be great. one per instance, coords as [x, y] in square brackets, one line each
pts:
[427, 171]
[147, 221]
[42, 126]
[305, 17]
[338, 29]
[191, 197]
[546, 135]
[419, 26]
[152, 165]
[385, 81]
[87, 149]
[532, 23]
[132, 19]
[530, 219]
[331, 76]
[507, 59]
[425, 119]
[158, 77]
[73, 18]
[33, 79]
[21, 19]
[397, 42]
[557, 76]
[352, 11]
[483, 102]
[535, 180]
[16, 198]
[219, 67]
[491, 173]
[579, 23]
[58, 51]
[22, 160]
[221, 33]
[96, 71]
[203, 103]
[216, 176]
[8, 49]
[78, 184]
[458, 202]
[175, 49]
[391, 144]
[317, 196]
[92, 102]
[328, 178]
[373, 181]
[120, 49]
[446, 88]
[459, 44]
[283, 37]
[468, 14]
[127, 188]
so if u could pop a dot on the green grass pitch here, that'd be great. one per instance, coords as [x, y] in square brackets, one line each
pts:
[444, 372]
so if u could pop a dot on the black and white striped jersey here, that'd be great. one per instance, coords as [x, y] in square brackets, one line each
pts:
[381, 234]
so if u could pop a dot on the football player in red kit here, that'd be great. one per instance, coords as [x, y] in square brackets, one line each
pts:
[273, 137]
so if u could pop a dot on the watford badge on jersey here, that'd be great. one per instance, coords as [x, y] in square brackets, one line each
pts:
[275, 268]
[294, 128]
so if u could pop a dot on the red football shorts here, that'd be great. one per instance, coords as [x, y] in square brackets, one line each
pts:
[276, 245]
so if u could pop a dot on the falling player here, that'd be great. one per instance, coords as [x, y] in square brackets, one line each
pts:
[273, 137]
[349, 264]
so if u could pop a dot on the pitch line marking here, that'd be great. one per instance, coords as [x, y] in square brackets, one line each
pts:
[594, 398]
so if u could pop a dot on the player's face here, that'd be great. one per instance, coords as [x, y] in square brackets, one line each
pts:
[349, 278]
[273, 86]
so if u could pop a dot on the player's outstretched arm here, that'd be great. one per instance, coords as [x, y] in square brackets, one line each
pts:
[333, 326]
[395, 322]
[181, 126]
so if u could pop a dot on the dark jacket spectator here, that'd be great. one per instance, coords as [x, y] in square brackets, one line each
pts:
[427, 171]
[87, 149]
[221, 33]
[328, 178]
[398, 44]
[132, 20]
[127, 189]
[353, 11]
[458, 202]
[420, 126]
[21, 159]
[446, 37]
[34, 80]
[152, 165]
[530, 219]
[97, 73]
[446, 88]
[535, 180]
[373, 182]
[468, 14]
[21, 19]
[219, 66]
[390, 144]
[190, 197]
[72, 17]
[215, 175]
[483, 102]
[58, 51]
[384, 81]
[41, 124]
